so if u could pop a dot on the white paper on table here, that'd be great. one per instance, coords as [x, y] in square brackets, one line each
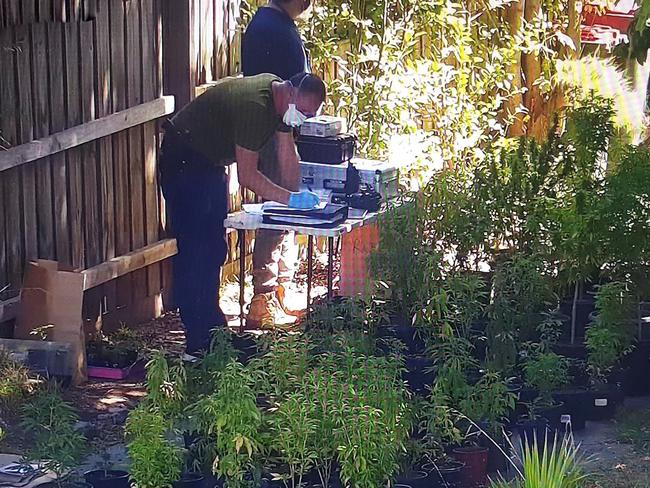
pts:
[282, 206]
[253, 208]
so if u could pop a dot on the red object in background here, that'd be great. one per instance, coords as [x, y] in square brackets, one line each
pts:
[599, 34]
[619, 17]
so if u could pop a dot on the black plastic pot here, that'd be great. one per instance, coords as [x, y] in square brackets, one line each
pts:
[414, 479]
[554, 414]
[246, 346]
[576, 402]
[419, 374]
[525, 396]
[480, 348]
[579, 374]
[604, 402]
[571, 351]
[406, 334]
[532, 429]
[636, 379]
[190, 480]
[445, 474]
[108, 478]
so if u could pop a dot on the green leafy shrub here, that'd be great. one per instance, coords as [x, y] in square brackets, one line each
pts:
[611, 334]
[54, 442]
[547, 373]
[231, 420]
[156, 462]
[522, 295]
[14, 385]
[293, 427]
[166, 384]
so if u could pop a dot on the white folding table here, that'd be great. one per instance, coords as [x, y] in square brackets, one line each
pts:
[243, 221]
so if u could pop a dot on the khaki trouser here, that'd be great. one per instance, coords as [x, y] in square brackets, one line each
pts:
[275, 254]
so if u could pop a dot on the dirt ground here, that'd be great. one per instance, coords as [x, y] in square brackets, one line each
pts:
[614, 461]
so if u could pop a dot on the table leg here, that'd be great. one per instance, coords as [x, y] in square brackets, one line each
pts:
[310, 267]
[242, 277]
[330, 278]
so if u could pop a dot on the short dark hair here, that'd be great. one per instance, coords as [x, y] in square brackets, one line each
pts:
[310, 84]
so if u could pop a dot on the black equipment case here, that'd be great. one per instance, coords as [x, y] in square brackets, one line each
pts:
[327, 150]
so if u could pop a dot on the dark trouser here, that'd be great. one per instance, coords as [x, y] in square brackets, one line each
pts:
[196, 194]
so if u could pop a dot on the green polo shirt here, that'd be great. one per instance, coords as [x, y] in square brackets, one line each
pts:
[236, 111]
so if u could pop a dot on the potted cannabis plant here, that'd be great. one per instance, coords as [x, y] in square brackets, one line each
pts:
[547, 372]
[105, 476]
[609, 338]
[55, 443]
[325, 389]
[231, 418]
[156, 460]
[438, 428]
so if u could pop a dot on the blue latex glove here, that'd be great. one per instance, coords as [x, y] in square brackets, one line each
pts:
[305, 200]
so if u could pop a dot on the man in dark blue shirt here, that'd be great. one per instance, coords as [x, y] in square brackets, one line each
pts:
[272, 44]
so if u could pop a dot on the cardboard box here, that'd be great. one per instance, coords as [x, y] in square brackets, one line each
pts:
[51, 299]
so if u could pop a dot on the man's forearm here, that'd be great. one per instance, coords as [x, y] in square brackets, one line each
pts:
[289, 162]
[265, 188]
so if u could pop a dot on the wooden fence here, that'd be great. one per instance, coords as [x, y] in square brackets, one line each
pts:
[72, 71]
[83, 86]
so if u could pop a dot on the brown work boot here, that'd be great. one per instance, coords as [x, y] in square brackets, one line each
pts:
[265, 313]
[281, 295]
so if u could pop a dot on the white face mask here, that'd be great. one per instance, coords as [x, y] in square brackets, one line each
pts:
[294, 117]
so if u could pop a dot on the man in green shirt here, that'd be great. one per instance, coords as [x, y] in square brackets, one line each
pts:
[230, 122]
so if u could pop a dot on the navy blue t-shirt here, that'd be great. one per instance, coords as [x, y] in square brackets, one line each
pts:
[272, 44]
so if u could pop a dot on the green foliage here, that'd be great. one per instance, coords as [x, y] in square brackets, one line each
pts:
[625, 213]
[54, 442]
[522, 295]
[611, 335]
[362, 401]
[325, 390]
[368, 453]
[546, 372]
[156, 461]
[118, 350]
[489, 402]
[231, 419]
[432, 75]
[202, 379]
[466, 299]
[633, 427]
[639, 37]
[439, 424]
[454, 354]
[294, 426]
[14, 385]
[407, 263]
[285, 364]
[166, 384]
[576, 232]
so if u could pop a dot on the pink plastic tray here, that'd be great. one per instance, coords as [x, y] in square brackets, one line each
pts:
[109, 373]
